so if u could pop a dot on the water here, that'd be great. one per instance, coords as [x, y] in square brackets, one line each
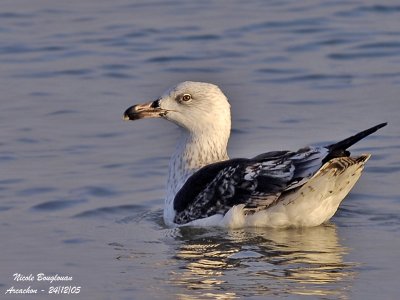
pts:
[82, 191]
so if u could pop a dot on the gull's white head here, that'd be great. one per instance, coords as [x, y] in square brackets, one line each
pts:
[204, 111]
[199, 107]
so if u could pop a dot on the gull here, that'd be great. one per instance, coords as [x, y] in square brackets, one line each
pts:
[277, 189]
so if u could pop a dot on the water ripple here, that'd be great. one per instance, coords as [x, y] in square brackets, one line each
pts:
[278, 25]
[391, 44]
[110, 210]
[51, 74]
[162, 59]
[194, 70]
[118, 75]
[379, 8]
[362, 55]
[312, 78]
[311, 261]
[77, 241]
[384, 170]
[192, 38]
[96, 191]
[22, 49]
[58, 204]
[14, 15]
[36, 191]
[62, 112]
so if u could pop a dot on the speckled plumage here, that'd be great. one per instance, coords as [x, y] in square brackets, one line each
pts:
[276, 189]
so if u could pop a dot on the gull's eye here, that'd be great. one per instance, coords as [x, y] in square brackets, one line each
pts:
[186, 97]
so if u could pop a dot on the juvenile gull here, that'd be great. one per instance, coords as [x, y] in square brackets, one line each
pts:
[274, 189]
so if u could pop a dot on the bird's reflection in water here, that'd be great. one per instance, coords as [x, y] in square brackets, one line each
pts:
[220, 264]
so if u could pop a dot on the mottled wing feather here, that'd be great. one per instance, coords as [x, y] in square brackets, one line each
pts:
[199, 181]
[257, 183]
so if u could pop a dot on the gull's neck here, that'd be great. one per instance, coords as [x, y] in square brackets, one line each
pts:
[193, 152]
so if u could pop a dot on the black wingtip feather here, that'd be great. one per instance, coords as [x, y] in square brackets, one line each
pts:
[350, 141]
[340, 149]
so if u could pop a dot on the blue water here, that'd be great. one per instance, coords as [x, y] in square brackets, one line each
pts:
[81, 192]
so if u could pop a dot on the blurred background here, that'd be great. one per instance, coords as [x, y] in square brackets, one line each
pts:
[81, 192]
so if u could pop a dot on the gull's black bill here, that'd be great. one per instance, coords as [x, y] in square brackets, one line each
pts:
[145, 110]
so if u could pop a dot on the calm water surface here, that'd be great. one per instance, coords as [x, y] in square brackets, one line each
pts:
[82, 192]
